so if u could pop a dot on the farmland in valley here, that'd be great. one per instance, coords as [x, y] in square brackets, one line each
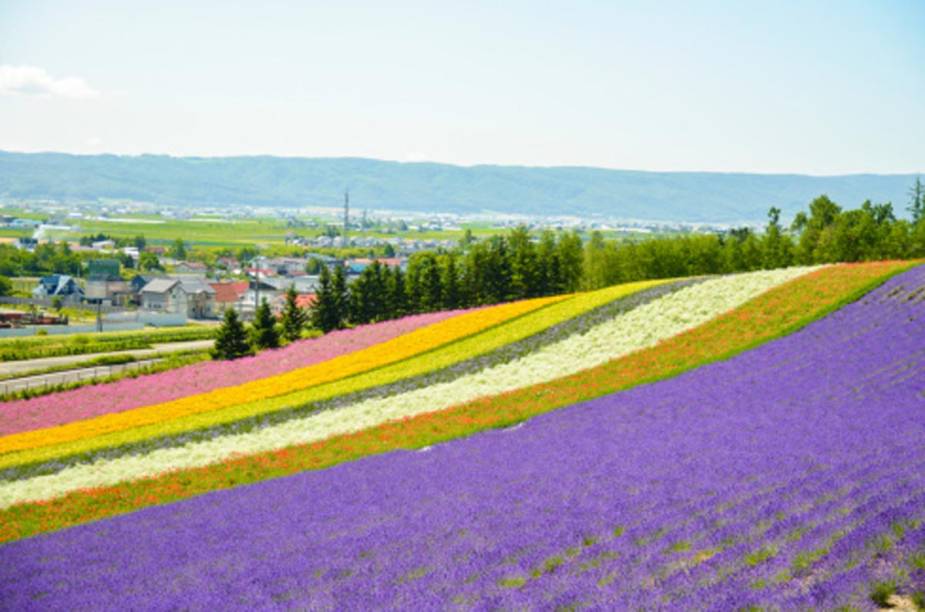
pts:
[716, 442]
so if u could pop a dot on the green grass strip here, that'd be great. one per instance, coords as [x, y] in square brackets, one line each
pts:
[41, 347]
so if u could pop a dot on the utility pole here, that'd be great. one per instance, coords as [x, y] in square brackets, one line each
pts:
[257, 286]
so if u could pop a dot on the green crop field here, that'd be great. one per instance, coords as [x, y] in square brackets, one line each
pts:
[213, 232]
[216, 232]
[205, 233]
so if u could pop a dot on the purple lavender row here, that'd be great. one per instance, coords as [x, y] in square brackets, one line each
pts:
[736, 540]
[895, 455]
[689, 535]
[858, 561]
[400, 530]
[598, 538]
[657, 556]
[750, 587]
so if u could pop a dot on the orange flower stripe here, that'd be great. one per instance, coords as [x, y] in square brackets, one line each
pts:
[419, 341]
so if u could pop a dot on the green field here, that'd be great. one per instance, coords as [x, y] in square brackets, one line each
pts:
[209, 232]
[9, 232]
[38, 347]
[204, 233]
[264, 232]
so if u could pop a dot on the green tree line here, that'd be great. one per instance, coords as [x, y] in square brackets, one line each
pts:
[48, 258]
[59, 258]
[824, 234]
[518, 265]
[499, 269]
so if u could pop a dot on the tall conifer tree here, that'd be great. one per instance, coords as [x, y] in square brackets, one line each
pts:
[449, 283]
[397, 294]
[341, 296]
[264, 334]
[231, 339]
[294, 317]
[325, 313]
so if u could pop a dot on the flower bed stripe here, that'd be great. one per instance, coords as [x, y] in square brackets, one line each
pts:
[776, 312]
[86, 402]
[555, 323]
[378, 355]
[683, 310]
[466, 348]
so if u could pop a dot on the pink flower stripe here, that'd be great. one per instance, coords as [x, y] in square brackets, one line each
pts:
[126, 394]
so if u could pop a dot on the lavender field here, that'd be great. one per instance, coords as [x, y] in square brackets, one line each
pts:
[789, 477]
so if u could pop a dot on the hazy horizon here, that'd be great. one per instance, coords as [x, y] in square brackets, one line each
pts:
[458, 165]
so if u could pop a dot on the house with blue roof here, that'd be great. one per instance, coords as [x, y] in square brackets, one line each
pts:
[58, 285]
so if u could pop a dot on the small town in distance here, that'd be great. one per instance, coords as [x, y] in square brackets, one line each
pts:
[122, 270]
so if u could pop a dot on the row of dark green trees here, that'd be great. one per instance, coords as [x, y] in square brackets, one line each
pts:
[517, 265]
[495, 270]
[234, 339]
[499, 269]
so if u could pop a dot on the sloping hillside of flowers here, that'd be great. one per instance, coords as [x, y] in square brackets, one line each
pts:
[95, 400]
[610, 338]
[687, 491]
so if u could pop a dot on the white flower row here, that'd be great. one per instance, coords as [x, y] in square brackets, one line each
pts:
[637, 329]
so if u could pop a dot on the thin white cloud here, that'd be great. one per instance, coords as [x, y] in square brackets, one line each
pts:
[34, 81]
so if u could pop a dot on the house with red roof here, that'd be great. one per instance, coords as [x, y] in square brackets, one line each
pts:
[302, 300]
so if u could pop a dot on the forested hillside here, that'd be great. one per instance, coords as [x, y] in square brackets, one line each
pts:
[431, 187]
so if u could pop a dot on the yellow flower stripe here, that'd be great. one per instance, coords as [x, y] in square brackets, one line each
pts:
[378, 355]
[467, 348]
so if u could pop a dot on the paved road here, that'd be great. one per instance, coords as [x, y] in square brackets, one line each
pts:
[69, 376]
[24, 368]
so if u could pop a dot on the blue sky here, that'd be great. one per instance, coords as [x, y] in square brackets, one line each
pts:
[809, 87]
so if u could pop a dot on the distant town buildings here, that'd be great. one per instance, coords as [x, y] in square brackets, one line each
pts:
[58, 285]
[105, 283]
[193, 298]
[193, 269]
[103, 245]
[193, 289]
[27, 244]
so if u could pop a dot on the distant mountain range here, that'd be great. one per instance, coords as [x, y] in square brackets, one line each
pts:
[431, 187]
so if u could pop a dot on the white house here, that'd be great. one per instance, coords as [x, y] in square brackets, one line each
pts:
[193, 298]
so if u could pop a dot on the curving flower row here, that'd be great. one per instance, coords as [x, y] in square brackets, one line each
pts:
[375, 356]
[636, 329]
[95, 400]
[467, 348]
